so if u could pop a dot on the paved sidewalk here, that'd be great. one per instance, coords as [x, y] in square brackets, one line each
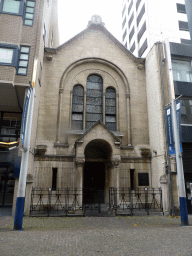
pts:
[149, 235]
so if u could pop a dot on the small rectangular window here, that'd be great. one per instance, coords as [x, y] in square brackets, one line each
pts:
[8, 54]
[183, 25]
[143, 179]
[181, 8]
[54, 178]
[23, 60]
[29, 13]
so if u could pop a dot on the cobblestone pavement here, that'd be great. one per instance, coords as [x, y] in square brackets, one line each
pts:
[149, 235]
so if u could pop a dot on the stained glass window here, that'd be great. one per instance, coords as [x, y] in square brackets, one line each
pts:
[110, 109]
[77, 108]
[94, 100]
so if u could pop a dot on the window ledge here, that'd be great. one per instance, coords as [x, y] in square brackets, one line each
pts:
[81, 132]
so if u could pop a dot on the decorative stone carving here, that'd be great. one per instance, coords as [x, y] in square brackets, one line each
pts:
[140, 66]
[80, 161]
[96, 19]
[61, 90]
[116, 159]
[40, 149]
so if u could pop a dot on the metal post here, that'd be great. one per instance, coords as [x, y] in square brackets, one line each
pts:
[18, 221]
[180, 173]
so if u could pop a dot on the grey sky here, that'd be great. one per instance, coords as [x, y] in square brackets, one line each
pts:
[75, 14]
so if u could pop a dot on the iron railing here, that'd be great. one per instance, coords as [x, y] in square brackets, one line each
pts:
[125, 200]
[60, 202]
[79, 202]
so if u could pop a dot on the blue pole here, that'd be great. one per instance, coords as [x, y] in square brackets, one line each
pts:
[180, 172]
[18, 220]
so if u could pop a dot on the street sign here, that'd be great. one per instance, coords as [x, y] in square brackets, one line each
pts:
[170, 131]
[178, 112]
[24, 117]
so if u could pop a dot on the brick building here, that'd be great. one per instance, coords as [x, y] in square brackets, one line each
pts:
[25, 28]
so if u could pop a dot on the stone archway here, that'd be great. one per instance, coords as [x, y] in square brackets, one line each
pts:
[97, 171]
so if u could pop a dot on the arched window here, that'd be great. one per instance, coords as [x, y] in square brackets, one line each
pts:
[77, 108]
[94, 100]
[110, 109]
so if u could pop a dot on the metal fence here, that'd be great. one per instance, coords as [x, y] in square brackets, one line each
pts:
[125, 200]
[74, 202]
[60, 202]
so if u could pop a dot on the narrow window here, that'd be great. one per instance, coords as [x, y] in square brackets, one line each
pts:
[132, 179]
[77, 108]
[54, 178]
[94, 100]
[29, 13]
[23, 60]
[110, 109]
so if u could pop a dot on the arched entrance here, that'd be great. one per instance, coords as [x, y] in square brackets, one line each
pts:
[96, 175]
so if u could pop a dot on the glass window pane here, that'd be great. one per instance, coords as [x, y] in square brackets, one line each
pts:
[77, 125]
[77, 100]
[23, 63]
[182, 71]
[22, 71]
[29, 16]
[25, 49]
[78, 90]
[93, 86]
[24, 56]
[30, 10]
[30, 4]
[94, 109]
[6, 55]
[93, 117]
[94, 93]
[94, 79]
[110, 119]
[28, 22]
[77, 108]
[77, 117]
[11, 6]
[111, 126]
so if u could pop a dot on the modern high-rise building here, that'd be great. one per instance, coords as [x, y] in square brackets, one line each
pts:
[145, 22]
[26, 27]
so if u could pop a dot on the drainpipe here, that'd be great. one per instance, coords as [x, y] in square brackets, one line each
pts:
[171, 210]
